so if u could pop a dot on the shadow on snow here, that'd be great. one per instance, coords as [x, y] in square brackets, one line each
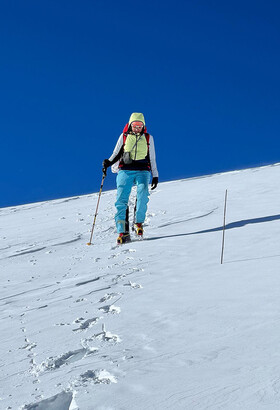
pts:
[232, 225]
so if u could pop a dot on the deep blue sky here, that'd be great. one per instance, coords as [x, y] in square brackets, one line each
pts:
[205, 74]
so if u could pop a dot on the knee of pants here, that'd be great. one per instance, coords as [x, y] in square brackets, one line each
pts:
[123, 193]
[142, 193]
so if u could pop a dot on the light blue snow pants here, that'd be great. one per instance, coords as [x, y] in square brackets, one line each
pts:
[125, 181]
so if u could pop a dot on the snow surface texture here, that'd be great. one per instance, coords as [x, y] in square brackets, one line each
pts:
[154, 324]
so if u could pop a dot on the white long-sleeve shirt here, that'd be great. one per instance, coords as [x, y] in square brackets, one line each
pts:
[152, 153]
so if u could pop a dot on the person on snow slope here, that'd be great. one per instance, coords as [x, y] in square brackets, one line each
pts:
[134, 158]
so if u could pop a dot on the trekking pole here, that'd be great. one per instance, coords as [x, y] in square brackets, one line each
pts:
[224, 225]
[93, 225]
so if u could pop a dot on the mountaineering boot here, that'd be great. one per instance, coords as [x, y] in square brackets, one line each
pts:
[138, 229]
[123, 238]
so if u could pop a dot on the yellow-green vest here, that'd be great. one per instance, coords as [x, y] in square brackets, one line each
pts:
[137, 150]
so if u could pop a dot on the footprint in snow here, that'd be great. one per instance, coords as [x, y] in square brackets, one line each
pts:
[85, 324]
[105, 336]
[113, 256]
[119, 277]
[97, 377]
[28, 345]
[133, 285]
[123, 252]
[110, 309]
[109, 296]
[54, 363]
[80, 300]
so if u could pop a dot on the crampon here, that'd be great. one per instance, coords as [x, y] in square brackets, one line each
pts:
[123, 238]
[138, 227]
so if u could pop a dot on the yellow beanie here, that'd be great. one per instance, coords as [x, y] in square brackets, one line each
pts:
[136, 116]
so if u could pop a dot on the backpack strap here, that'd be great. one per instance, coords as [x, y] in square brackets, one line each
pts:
[125, 128]
[125, 133]
[147, 138]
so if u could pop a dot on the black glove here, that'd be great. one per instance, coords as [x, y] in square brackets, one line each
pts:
[154, 182]
[105, 164]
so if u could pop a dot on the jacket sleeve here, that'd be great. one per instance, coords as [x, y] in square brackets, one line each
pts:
[118, 150]
[153, 157]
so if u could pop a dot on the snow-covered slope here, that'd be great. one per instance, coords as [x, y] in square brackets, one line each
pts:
[154, 324]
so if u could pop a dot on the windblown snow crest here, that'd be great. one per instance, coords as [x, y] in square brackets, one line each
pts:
[60, 401]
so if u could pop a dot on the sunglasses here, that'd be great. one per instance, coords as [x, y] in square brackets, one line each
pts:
[139, 125]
